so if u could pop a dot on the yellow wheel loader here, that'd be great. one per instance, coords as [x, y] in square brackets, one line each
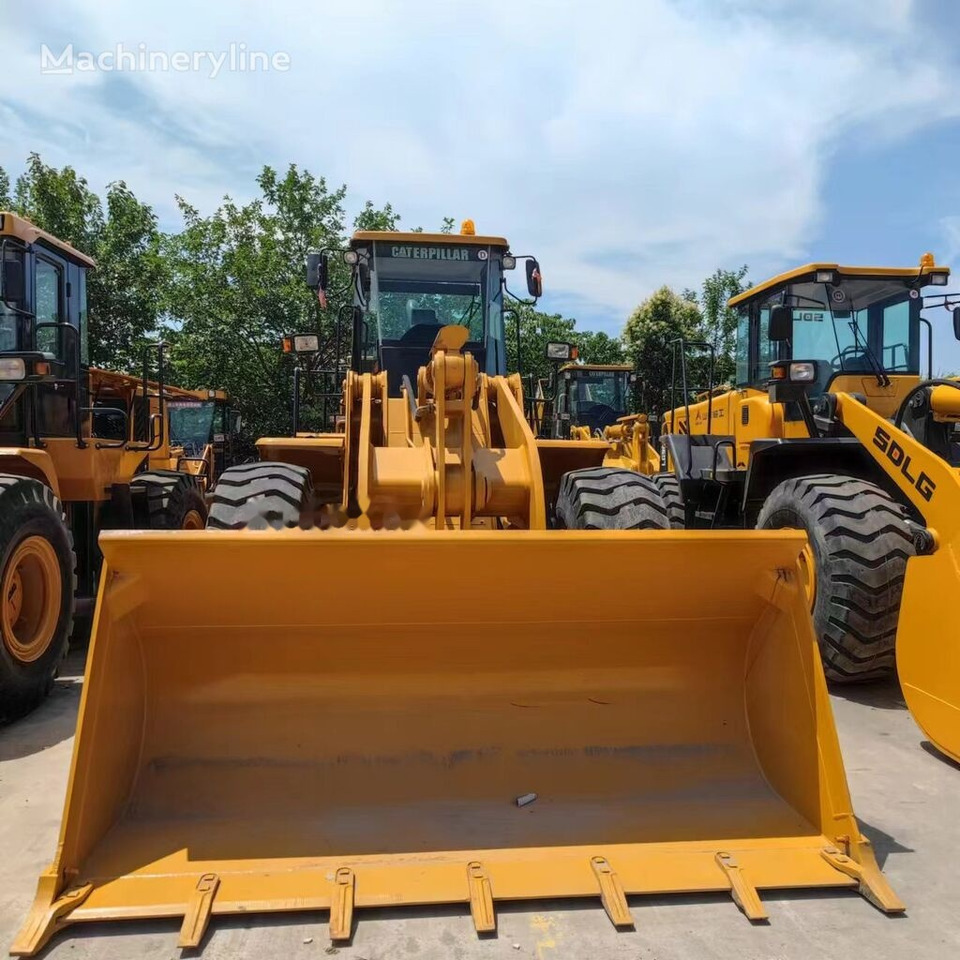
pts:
[81, 450]
[588, 402]
[352, 690]
[765, 455]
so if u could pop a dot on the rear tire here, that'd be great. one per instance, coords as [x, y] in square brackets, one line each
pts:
[168, 500]
[669, 487]
[37, 587]
[606, 498]
[861, 541]
[261, 495]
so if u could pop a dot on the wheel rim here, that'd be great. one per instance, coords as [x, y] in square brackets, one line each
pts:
[30, 599]
[808, 574]
[192, 521]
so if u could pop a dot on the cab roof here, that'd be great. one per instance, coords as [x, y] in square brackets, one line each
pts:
[807, 273]
[598, 367]
[13, 225]
[407, 236]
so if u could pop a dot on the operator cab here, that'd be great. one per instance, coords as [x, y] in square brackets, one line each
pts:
[853, 321]
[407, 286]
[43, 331]
[593, 395]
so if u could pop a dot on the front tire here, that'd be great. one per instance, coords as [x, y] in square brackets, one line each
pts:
[861, 542]
[168, 500]
[37, 587]
[607, 498]
[669, 487]
[261, 495]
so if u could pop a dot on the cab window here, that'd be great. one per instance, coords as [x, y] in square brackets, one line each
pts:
[896, 338]
[47, 304]
[743, 347]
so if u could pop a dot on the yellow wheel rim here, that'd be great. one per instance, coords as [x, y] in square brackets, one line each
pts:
[192, 521]
[30, 599]
[808, 574]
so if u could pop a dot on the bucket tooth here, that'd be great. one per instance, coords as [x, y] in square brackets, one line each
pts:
[871, 883]
[199, 908]
[341, 907]
[47, 915]
[611, 893]
[744, 893]
[481, 898]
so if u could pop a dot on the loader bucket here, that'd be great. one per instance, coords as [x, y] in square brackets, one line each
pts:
[928, 650]
[323, 720]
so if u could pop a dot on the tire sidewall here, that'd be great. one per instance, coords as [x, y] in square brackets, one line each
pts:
[19, 521]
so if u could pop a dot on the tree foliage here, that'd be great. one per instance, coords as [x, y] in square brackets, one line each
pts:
[236, 288]
[649, 336]
[228, 285]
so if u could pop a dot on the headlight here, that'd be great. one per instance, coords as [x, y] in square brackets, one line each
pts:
[12, 368]
[509, 262]
[939, 279]
[559, 351]
[803, 372]
[306, 343]
[350, 256]
[825, 276]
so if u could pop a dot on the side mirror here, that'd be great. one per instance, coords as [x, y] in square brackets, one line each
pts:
[317, 270]
[534, 279]
[12, 287]
[781, 323]
[956, 322]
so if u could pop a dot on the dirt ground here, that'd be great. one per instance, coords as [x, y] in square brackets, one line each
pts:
[907, 798]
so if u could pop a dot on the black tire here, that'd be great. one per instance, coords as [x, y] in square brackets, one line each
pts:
[861, 541]
[261, 495]
[606, 498]
[167, 500]
[31, 514]
[669, 487]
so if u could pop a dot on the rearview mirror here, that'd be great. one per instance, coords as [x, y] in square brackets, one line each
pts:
[317, 271]
[534, 279]
[956, 322]
[13, 289]
[781, 323]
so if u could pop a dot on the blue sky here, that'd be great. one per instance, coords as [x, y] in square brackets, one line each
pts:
[627, 144]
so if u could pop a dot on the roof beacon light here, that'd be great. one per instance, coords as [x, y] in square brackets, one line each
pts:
[467, 229]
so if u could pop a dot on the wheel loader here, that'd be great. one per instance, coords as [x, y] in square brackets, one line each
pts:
[780, 451]
[369, 682]
[81, 450]
[587, 402]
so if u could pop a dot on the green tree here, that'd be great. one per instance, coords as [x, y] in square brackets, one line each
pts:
[648, 339]
[237, 287]
[537, 329]
[125, 291]
[371, 218]
[719, 321]
[6, 201]
[599, 347]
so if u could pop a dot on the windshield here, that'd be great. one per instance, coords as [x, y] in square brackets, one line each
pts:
[599, 387]
[860, 326]
[428, 286]
[191, 425]
[409, 291]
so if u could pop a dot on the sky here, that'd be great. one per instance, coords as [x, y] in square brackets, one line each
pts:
[627, 144]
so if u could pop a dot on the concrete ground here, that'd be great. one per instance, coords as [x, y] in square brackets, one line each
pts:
[907, 798]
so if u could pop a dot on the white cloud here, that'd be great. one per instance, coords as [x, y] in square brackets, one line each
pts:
[628, 144]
